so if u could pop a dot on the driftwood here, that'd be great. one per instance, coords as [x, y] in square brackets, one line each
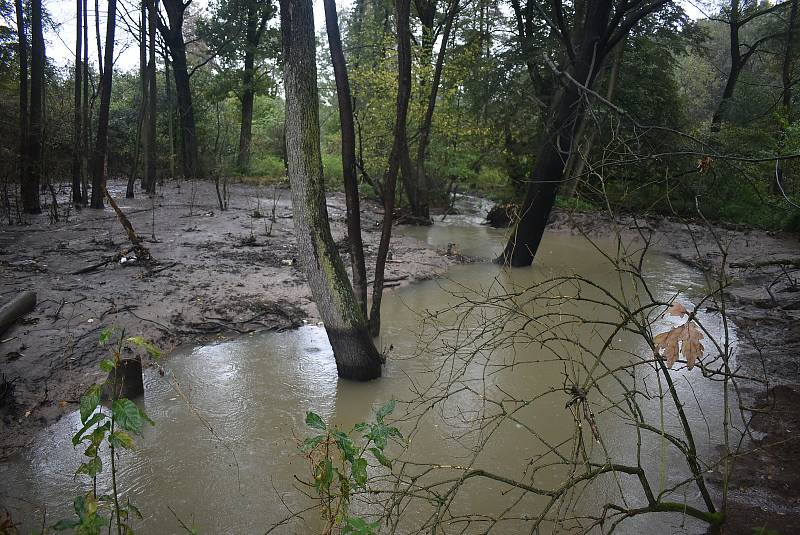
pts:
[794, 262]
[15, 309]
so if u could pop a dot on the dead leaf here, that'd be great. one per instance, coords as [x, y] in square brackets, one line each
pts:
[676, 309]
[681, 340]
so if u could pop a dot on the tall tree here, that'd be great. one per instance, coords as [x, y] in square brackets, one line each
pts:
[238, 34]
[427, 11]
[77, 140]
[150, 154]
[85, 106]
[603, 28]
[101, 140]
[22, 53]
[740, 52]
[172, 32]
[399, 150]
[345, 100]
[30, 187]
[353, 348]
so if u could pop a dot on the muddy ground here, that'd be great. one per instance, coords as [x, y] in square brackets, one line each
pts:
[219, 274]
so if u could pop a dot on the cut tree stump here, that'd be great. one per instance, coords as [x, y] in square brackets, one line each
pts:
[15, 309]
[125, 381]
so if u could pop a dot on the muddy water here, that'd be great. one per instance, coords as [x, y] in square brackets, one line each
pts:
[222, 455]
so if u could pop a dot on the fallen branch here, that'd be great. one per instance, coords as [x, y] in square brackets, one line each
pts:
[15, 309]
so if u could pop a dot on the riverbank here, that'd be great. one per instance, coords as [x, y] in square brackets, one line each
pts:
[217, 274]
[763, 301]
[220, 274]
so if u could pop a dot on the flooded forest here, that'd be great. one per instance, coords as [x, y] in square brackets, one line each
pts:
[400, 267]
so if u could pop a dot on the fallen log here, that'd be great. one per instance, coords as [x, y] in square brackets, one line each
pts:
[15, 309]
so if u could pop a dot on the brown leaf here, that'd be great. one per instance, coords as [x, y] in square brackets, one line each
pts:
[681, 340]
[676, 309]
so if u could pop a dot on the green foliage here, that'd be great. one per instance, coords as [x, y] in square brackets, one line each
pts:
[112, 427]
[339, 465]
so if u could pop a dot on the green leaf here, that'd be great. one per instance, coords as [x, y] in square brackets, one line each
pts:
[90, 401]
[78, 437]
[151, 349]
[345, 444]
[354, 525]
[360, 427]
[386, 410]
[135, 510]
[105, 334]
[127, 415]
[323, 475]
[63, 525]
[108, 365]
[360, 472]
[315, 422]
[311, 443]
[381, 458]
[90, 468]
[121, 439]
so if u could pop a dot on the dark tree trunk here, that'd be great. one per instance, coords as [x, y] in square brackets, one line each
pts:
[77, 142]
[130, 191]
[101, 141]
[354, 351]
[398, 154]
[248, 91]
[422, 179]
[173, 37]
[786, 97]
[348, 155]
[22, 52]
[30, 187]
[554, 151]
[85, 108]
[150, 154]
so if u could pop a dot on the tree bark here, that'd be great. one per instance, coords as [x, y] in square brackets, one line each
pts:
[173, 37]
[348, 155]
[398, 154]
[422, 179]
[30, 187]
[77, 141]
[85, 107]
[151, 156]
[22, 52]
[354, 351]
[554, 151]
[248, 91]
[101, 141]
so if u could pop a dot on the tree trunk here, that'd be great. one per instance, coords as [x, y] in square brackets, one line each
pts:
[398, 155]
[150, 153]
[101, 142]
[77, 141]
[422, 179]
[130, 191]
[354, 351]
[173, 37]
[348, 155]
[554, 151]
[30, 187]
[85, 108]
[737, 64]
[248, 91]
[786, 97]
[23, 94]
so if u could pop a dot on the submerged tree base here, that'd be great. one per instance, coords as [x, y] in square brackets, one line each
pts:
[356, 358]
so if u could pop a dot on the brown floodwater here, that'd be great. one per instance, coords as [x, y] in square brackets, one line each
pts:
[223, 453]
